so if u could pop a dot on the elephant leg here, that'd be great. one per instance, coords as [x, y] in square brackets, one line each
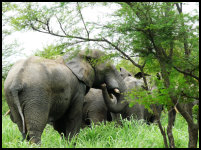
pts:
[73, 116]
[95, 117]
[69, 124]
[36, 116]
[73, 119]
[60, 125]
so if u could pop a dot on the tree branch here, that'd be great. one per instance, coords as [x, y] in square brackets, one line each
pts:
[47, 32]
[119, 50]
[48, 27]
[179, 8]
[61, 26]
[185, 95]
[82, 20]
[87, 39]
[160, 126]
[186, 73]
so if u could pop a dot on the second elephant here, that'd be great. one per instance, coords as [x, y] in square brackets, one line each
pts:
[95, 109]
[124, 109]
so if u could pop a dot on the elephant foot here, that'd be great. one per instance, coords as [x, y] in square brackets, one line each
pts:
[34, 137]
[35, 140]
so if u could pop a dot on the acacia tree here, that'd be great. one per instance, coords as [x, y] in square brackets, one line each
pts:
[157, 32]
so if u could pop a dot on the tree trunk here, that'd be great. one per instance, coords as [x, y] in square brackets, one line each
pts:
[192, 127]
[171, 120]
[160, 126]
[172, 112]
[193, 136]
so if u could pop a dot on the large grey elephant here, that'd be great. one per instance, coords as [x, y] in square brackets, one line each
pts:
[137, 111]
[95, 109]
[40, 90]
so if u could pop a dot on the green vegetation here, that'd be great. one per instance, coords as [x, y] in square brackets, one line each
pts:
[133, 134]
[4, 103]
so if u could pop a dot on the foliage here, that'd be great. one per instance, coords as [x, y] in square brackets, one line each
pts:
[156, 32]
[9, 47]
[195, 111]
[4, 103]
[131, 134]
[128, 66]
[50, 51]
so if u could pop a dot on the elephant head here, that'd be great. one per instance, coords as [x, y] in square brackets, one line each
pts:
[91, 68]
[124, 73]
[137, 110]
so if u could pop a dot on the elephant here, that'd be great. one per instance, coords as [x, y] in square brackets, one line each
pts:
[95, 109]
[39, 91]
[137, 111]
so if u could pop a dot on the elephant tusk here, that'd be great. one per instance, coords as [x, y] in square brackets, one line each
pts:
[8, 112]
[103, 85]
[116, 91]
[111, 96]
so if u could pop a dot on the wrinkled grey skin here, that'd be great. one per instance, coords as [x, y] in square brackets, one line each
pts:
[95, 109]
[137, 111]
[40, 90]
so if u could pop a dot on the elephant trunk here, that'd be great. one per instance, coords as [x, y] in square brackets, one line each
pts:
[115, 108]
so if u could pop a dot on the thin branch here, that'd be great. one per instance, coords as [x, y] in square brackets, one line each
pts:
[186, 73]
[40, 21]
[127, 58]
[171, 50]
[61, 26]
[77, 42]
[47, 24]
[144, 64]
[67, 35]
[118, 49]
[105, 48]
[185, 95]
[160, 126]
[88, 39]
[197, 67]
[46, 32]
[82, 20]
[179, 8]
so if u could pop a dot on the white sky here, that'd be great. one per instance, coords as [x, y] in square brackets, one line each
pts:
[31, 41]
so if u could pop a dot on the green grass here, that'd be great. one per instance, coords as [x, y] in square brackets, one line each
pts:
[135, 134]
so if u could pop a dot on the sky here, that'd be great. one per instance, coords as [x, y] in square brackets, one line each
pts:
[31, 41]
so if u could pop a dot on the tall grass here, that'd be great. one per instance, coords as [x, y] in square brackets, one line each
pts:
[4, 103]
[135, 134]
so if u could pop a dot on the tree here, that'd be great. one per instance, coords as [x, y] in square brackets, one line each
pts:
[161, 28]
[8, 48]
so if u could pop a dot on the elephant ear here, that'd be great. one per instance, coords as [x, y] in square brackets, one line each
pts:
[82, 68]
